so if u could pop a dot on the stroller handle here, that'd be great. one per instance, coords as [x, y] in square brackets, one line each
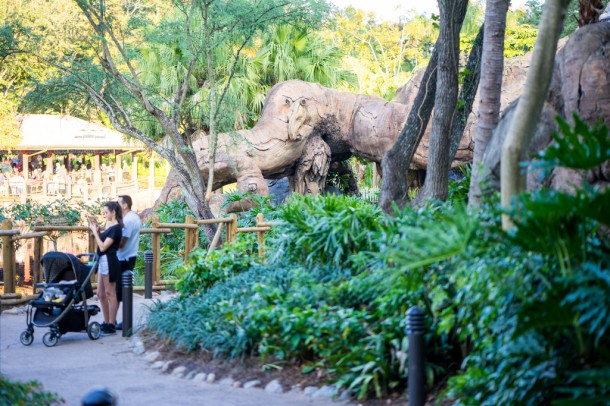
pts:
[54, 285]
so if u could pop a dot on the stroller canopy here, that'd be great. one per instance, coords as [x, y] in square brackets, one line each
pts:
[60, 266]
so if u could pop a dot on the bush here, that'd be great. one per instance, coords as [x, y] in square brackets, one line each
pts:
[325, 230]
[26, 393]
[202, 271]
[538, 320]
[348, 321]
[511, 318]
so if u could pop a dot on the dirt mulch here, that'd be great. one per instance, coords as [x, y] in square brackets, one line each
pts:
[248, 369]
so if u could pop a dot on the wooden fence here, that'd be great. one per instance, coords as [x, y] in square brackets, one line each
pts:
[191, 226]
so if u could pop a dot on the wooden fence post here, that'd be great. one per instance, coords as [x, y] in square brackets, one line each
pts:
[8, 255]
[156, 249]
[195, 236]
[232, 229]
[92, 245]
[260, 218]
[188, 238]
[37, 271]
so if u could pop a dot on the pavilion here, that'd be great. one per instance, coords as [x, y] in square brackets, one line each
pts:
[46, 138]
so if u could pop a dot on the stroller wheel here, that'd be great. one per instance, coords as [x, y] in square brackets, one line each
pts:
[50, 339]
[94, 330]
[26, 337]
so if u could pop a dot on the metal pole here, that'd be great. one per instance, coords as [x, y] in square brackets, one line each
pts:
[127, 303]
[415, 330]
[148, 274]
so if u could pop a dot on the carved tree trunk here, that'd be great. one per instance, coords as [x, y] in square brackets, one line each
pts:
[311, 171]
[437, 177]
[490, 91]
[523, 127]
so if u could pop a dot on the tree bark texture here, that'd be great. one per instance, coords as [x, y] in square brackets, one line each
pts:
[396, 162]
[468, 92]
[452, 15]
[529, 107]
[581, 85]
[490, 91]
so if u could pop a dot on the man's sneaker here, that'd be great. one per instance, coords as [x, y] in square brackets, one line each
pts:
[118, 326]
[107, 329]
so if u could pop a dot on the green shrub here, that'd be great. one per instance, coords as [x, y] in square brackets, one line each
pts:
[203, 270]
[458, 189]
[26, 394]
[217, 319]
[327, 229]
[511, 318]
[537, 303]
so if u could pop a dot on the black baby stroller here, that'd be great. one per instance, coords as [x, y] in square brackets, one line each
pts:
[68, 283]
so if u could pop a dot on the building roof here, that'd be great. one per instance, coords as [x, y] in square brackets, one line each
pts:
[53, 132]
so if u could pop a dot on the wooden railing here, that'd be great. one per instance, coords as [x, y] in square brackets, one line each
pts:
[191, 226]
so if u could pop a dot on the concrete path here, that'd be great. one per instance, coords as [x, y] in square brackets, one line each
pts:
[76, 365]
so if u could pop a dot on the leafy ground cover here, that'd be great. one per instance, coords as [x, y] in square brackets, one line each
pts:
[517, 317]
[26, 393]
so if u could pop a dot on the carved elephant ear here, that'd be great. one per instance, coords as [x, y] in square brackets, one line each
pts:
[300, 121]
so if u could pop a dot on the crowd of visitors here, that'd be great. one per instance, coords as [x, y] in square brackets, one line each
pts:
[57, 176]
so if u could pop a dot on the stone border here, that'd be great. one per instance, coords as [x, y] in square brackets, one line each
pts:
[275, 386]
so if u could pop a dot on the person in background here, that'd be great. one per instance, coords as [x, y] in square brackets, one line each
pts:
[128, 251]
[5, 167]
[109, 268]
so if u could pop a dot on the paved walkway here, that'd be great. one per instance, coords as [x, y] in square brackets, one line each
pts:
[76, 365]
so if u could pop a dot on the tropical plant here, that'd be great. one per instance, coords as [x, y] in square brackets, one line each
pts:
[203, 270]
[382, 55]
[533, 16]
[325, 230]
[59, 212]
[172, 244]
[26, 393]
[544, 338]
[200, 43]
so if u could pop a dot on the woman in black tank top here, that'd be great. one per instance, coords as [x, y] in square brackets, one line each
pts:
[109, 267]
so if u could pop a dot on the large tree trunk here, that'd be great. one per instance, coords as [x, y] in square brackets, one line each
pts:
[529, 107]
[200, 207]
[397, 160]
[437, 177]
[490, 91]
[467, 93]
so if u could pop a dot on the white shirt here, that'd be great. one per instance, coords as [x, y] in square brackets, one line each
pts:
[131, 231]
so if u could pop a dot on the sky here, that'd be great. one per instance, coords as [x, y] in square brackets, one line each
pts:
[390, 9]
